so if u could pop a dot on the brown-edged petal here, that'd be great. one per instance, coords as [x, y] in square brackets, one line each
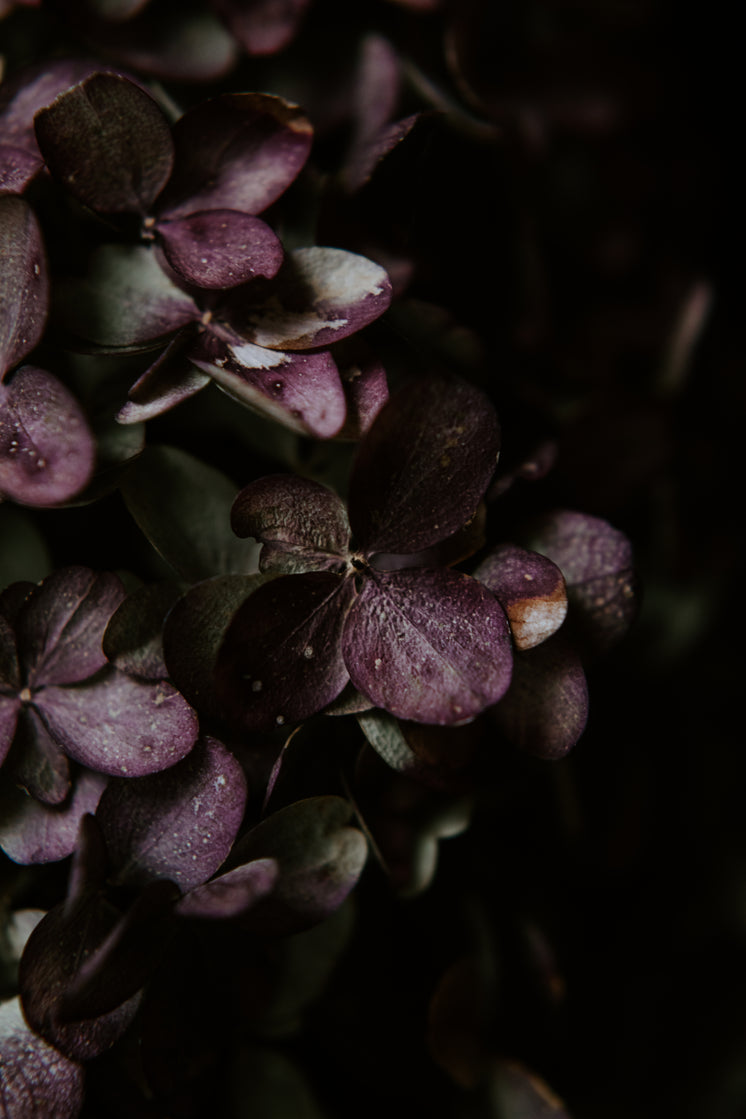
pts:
[530, 589]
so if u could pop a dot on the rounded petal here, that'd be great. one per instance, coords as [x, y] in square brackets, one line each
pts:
[24, 284]
[530, 589]
[220, 248]
[35, 1078]
[31, 832]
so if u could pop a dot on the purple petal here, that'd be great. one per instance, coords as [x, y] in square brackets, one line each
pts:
[231, 894]
[432, 646]
[423, 467]
[264, 26]
[281, 658]
[36, 762]
[319, 296]
[530, 589]
[17, 168]
[194, 632]
[119, 725]
[546, 707]
[33, 88]
[596, 561]
[238, 151]
[365, 387]
[369, 152]
[24, 284]
[320, 859]
[108, 143]
[89, 865]
[47, 451]
[300, 391]
[35, 1078]
[302, 525]
[10, 707]
[54, 952]
[133, 640]
[169, 380]
[178, 825]
[31, 832]
[183, 507]
[62, 623]
[126, 299]
[220, 248]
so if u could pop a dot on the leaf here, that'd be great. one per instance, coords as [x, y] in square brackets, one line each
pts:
[24, 284]
[108, 143]
[119, 725]
[24, 553]
[301, 524]
[319, 296]
[530, 589]
[432, 646]
[35, 1078]
[32, 832]
[320, 859]
[133, 638]
[183, 506]
[423, 467]
[281, 660]
[47, 450]
[178, 825]
[220, 248]
[237, 151]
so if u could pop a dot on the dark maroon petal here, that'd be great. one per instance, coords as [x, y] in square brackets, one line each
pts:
[10, 707]
[178, 825]
[423, 467]
[319, 296]
[108, 143]
[47, 451]
[120, 725]
[10, 676]
[530, 589]
[365, 387]
[56, 949]
[17, 169]
[320, 858]
[125, 300]
[172, 42]
[546, 707]
[596, 561]
[220, 248]
[169, 380]
[36, 762]
[238, 151]
[24, 284]
[183, 507]
[194, 632]
[300, 391]
[89, 865]
[32, 88]
[368, 153]
[31, 832]
[302, 524]
[62, 623]
[263, 26]
[133, 638]
[231, 894]
[432, 646]
[35, 1079]
[281, 658]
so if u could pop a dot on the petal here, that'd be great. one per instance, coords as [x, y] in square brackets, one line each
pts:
[10, 675]
[302, 525]
[530, 589]
[220, 248]
[34, 87]
[24, 284]
[423, 467]
[10, 708]
[432, 646]
[125, 299]
[300, 391]
[365, 386]
[36, 762]
[17, 168]
[319, 296]
[238, 151]
[231, 894]
[107, 142]
[169, 380]
[281, 659]
[264, 26]
[35, 1078]
[546, 707]
[183, 507]
[119, 725]
[178, 825]
[62, 623]
[31, 832]
[47, 450]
